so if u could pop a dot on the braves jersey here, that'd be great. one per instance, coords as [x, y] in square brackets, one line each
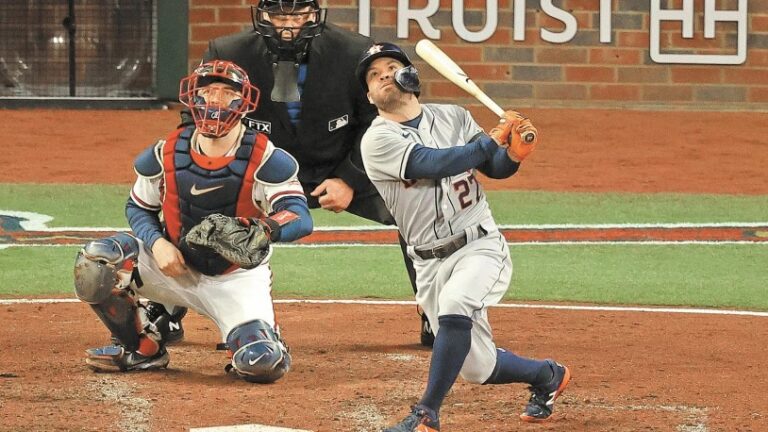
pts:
[148, 191]
[426, 210]
[191, 185]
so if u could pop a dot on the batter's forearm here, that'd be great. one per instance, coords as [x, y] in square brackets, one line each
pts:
[431, 163]
[499, 166]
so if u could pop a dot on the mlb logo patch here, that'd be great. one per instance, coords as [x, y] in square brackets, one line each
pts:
[259, 125]
[338, 123]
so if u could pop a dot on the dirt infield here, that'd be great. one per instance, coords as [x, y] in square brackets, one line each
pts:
[357, 367]
[581, 150]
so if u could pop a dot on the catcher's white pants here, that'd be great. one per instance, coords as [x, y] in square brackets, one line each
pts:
[229, 300]
[466, 283]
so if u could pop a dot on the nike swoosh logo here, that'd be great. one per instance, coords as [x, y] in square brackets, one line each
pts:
[196, 191]
[253, 361]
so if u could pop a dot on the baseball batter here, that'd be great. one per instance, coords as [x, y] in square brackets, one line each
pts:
[422, 159]
[225, 193]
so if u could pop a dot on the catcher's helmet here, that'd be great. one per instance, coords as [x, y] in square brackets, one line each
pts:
[216, 116]
[406, 78]
[300, 22]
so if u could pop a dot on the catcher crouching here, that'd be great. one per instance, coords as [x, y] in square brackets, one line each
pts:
[225, 193]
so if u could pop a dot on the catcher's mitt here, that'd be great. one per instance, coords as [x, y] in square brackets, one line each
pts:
[236, 239]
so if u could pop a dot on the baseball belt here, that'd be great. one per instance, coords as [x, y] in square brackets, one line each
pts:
[448, 247]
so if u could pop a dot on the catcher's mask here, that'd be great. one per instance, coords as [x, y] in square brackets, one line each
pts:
[288, 26]
[406, 78]
[218, 94]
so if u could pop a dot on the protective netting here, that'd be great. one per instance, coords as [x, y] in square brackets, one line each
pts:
[84, 48]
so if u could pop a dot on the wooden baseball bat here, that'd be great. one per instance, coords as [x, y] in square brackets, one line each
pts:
[449, 69]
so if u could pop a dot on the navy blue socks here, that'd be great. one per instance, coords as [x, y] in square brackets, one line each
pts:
[451, 347]
[511, 368]
[452, 344]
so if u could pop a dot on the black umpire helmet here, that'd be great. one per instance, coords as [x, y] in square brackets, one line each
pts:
[297, 46]
[406, 78]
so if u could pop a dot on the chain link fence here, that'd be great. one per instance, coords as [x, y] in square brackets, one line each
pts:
[78, 48]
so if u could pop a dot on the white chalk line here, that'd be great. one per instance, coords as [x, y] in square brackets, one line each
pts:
[39, 223]
[135, 412]
[39, 226]
[511, 244]
[246, 428]
[589, 308]
[695, 418]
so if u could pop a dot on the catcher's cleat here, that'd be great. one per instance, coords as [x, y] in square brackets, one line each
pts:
[176, 333]
[114, 358]
[170, 326]
[419, 420]
[427, 336]
[542, 402]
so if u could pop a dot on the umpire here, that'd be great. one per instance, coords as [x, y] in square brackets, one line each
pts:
[311, 106]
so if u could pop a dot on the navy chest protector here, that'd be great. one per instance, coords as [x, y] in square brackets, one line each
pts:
[197, 186]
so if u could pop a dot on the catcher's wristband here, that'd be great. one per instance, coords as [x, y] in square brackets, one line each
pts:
[273, 224]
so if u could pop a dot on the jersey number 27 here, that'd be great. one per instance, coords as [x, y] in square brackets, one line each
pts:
[464, 188]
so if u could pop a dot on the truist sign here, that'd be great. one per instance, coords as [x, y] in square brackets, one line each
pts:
[684, 16]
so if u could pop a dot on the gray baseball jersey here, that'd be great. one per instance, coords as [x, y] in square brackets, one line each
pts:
[425, 210]
[428, 211]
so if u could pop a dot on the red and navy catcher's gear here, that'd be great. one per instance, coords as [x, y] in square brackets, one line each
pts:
[259, 354]
[211, 118]
[229, 185]
[407, 78]
[104, 271]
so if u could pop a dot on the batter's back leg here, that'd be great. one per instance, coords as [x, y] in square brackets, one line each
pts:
[427, 336]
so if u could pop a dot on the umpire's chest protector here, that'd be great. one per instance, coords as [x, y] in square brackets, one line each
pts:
[196, 187]
[334, 107]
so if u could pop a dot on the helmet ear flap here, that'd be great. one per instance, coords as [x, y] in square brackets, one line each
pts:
[408, 80]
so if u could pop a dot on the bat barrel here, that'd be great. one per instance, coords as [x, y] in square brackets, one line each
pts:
[442, 63]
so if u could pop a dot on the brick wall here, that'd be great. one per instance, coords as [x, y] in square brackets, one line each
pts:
[581, 72]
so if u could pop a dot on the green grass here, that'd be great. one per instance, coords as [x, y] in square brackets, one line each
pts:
[591, 208]
[694, 275]
[37, 271]
[70, 204]
[103, 205]
[689, 275]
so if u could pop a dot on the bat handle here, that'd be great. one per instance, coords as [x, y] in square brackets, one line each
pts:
[529, 137]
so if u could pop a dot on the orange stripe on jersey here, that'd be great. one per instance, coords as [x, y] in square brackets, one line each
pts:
[210, 163]
[171, 210]
[245, 205]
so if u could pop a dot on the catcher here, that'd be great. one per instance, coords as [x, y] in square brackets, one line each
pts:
[226, 194]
